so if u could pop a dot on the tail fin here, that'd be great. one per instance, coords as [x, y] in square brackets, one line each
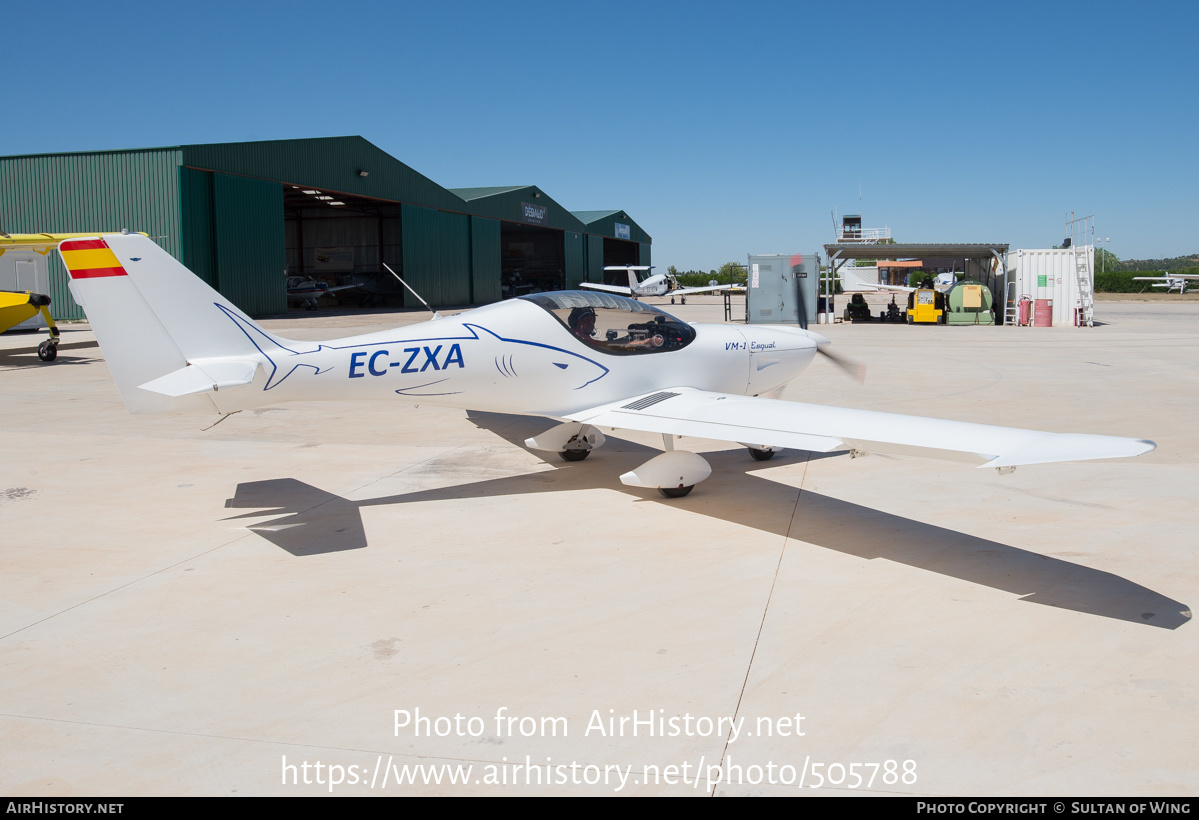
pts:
[171, 342]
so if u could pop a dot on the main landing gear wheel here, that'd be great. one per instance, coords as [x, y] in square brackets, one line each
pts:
[47, 352]
[675, 492]
[574, 455]
[761, 455]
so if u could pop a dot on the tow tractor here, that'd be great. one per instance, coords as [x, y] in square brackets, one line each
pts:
[926, 304]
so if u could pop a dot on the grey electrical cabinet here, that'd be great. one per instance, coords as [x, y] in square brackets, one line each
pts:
[781, 287]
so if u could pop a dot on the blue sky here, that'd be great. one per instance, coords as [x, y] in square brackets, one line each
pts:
[722, 130]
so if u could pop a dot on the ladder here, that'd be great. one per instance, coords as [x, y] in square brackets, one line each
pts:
[1011, 311]
[1086, 295]
[1078, 231]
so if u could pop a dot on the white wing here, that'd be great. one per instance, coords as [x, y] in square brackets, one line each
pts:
[852, 283]
[772, 423]
[623, 291]
[705, 289]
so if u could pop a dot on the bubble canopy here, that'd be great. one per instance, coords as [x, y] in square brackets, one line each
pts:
[615, 324]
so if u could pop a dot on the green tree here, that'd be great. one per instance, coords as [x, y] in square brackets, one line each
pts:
[1105, 260]
[731, 273]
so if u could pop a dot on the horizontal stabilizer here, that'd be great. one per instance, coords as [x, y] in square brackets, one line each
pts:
[206, 377]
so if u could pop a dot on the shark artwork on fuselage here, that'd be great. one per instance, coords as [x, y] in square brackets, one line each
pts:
[397, 357]
[590, 359]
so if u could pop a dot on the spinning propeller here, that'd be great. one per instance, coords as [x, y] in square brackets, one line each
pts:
[857, 370]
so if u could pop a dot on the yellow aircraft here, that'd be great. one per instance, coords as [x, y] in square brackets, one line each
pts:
[17, 307]
[28, 267]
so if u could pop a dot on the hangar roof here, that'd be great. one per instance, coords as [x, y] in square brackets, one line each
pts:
[480, 193]
[604, 223]
[587, 217]
[348, 165]
[519, 203]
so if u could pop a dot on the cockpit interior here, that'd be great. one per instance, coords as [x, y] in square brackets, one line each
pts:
[615, 324]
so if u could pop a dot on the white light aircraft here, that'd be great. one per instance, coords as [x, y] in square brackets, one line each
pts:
[1171, 281]
[591, 360]
[305, 291]
[660, 284]
[852, 283]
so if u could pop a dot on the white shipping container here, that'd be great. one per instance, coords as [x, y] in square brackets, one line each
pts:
[1052, 274]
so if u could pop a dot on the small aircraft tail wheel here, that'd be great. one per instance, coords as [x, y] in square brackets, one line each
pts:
[47, 352]
[675, 492]
[574, 455]
[761, 455]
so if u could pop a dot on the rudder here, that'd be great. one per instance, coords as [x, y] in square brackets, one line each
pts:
[152, 317]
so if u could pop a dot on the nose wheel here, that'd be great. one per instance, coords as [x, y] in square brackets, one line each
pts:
[47, 351]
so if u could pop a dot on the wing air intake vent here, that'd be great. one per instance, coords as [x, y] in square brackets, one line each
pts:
[649, 401]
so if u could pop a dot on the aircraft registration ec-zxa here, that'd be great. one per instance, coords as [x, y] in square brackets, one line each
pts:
[589, 359]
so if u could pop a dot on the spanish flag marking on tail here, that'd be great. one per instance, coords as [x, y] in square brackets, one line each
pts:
[90, 259]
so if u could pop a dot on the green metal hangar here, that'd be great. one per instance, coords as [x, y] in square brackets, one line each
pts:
[241, 214]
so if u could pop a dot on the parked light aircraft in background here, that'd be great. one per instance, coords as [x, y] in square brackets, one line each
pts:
[660, 284]
[592, 360]
[304, 291]
[852, 283]
[1171, 281]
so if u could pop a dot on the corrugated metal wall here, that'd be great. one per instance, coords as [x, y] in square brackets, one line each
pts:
[195, 220]
[574, 267]
[212, 207]
[455, 258]
[75, 193]
[595, 258]
[485, 260]
[249, 243]
[437, 255]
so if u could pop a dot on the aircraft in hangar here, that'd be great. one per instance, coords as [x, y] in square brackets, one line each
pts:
[659, 284]
[851, 282]
[593, 361]
[1171, 281]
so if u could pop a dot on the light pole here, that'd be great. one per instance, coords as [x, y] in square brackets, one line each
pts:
[1103, 259]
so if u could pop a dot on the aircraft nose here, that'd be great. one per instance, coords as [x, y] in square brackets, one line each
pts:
[766, 339]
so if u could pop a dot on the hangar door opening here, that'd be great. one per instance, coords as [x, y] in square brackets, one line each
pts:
[531, 259]
[619, 252]
[344, 240]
